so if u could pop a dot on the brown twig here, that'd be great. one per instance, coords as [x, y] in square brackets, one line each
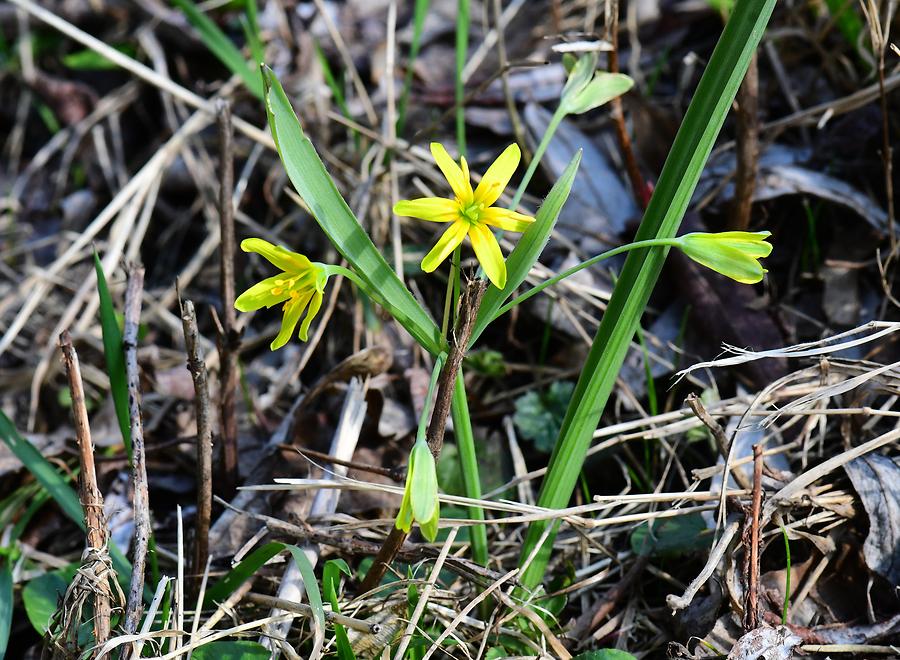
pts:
[638, 185]
[197, 367]
[751, 607]
[134, 606]
[469, 303]
[747, 147]
[91, 498]
[228, 340]
[397, 474]
[693, 402]
[589, 621]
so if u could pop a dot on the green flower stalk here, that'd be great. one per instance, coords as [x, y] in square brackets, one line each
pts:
[299, 286]
[420, 497]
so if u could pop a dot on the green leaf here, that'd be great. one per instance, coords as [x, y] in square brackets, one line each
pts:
[114, 353]
[221, 46]
[605, 654]
[242, 650]
[539, 415]
[89, 60]
[6, 604]
[603, 88]
[43, 594]
[469, 465]
[690, 151]
[316, 188]
[671, 537]
[527, 250]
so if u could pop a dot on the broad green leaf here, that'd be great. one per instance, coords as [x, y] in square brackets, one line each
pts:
[6, 604]
[527, 250]
[307, 172]
[114, 353]
[241, 650]
[221, 46]
[671, 537]
[690, 151]
[539, 415]
[605, 654]
[43, 594]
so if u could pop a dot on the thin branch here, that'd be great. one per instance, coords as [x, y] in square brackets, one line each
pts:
[91, 498]
[751, 606]
[197, 367]
[133, 292]
[747, 151]
[228, 340]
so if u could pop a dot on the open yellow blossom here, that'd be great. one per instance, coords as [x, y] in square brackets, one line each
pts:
[300, 284]
[470, 212]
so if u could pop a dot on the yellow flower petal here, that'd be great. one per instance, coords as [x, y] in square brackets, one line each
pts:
[314, 305]
[293, 310]
[504, 219]
[488, 252]
[446, 244]
[432, 209]
[458, 180]
[290, 262]
[261, 294]
[498, 175]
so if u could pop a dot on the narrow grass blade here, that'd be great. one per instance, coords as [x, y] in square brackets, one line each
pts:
[6, 605]
[310, 585]
[221, 46]
[42, 471]
[114, 354]
[315, 186]
[690, 151]
[462, 50]
[528, 249]
[468, 463]
[241, 573]
[331, 580]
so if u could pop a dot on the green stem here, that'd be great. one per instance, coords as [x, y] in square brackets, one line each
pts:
[468, 463]
[555, 120]
[653, 242]
[429, 399]
[462, 47]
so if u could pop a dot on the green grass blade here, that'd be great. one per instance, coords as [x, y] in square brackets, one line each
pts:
[42, 471]
[528, 249]
[221, 46]
[331, 580]
[315, 186]
[310, 585]
[419, 14]
[468, 463]
[241, 573]
[690, 151]
[115, 355]
[6, 604]
[462, 50]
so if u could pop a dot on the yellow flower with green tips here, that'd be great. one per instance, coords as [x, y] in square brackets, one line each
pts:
[471, 212]
[299, 286]
[420, 497]
[735, 254]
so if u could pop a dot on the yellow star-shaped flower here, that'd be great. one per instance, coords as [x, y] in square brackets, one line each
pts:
[300, 283]
[470, 211]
